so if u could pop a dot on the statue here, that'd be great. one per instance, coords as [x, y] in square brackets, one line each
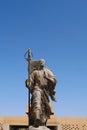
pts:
[41, 84]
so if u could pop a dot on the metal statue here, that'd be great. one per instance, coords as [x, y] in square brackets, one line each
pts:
[41, 84]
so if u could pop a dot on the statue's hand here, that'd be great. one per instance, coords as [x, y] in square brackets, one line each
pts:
[27, 83]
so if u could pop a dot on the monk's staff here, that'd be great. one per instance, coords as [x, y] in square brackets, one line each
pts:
[29, 60]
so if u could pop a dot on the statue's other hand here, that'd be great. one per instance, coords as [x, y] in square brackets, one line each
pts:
[27, 83]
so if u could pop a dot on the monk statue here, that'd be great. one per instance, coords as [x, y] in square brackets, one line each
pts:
[41, 84]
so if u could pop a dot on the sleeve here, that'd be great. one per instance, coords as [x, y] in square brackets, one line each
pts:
[51, 76]
[30, 81]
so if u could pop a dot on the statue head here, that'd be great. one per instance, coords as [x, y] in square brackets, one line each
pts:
[42, 62]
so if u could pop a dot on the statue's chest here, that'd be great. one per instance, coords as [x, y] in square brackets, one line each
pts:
[40, 77]
[40, 74]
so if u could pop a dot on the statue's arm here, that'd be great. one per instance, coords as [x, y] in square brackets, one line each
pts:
[50, 76]
[51, 83]
[30, 81]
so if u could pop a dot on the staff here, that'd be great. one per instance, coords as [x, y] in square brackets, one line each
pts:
[28, 59]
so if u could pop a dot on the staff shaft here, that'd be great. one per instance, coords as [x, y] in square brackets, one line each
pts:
[29, 59]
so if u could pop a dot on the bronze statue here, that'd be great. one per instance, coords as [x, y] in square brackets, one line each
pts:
[41, 84]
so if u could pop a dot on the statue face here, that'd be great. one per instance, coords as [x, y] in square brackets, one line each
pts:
[42, 62]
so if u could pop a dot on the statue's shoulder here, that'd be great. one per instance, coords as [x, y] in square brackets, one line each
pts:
[34, 72]
[47, 69]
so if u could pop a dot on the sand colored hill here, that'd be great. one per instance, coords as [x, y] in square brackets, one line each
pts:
[23, 120]
[73, 123]
[63, 123]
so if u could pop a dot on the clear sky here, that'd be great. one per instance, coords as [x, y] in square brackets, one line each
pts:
[55, 30]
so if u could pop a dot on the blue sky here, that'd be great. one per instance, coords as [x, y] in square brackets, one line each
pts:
[53, 30]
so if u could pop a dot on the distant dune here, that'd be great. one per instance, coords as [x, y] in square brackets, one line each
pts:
[62, 123]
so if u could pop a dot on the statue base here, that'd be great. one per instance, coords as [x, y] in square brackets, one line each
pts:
[38, 128]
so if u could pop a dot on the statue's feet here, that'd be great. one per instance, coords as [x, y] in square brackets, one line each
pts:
[37, 122]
